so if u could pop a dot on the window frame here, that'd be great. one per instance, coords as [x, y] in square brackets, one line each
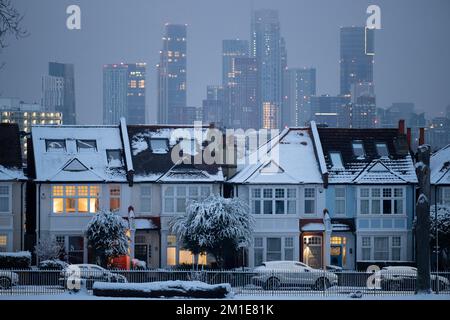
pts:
[8, 198]
[340, 198]
[380, 199]
[48, 141]
[111, 187]
[175, 197]
[340, 166]
[274, 199]
[391, 247]
[148, 197]
[64, 197]
[377, 144]
[358, 142]
[91, 149]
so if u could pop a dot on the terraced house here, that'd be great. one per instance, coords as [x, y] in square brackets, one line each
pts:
[285, 192]
[370, 197]
[12, 189]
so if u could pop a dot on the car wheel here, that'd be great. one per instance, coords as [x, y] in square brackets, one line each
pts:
[322, 284]
[272, 284]
[5, 283]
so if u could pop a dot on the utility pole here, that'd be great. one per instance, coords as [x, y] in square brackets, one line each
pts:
[423, 220]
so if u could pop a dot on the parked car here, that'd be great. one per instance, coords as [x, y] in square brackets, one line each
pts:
[275, 274]
[8, 279]
[90, 273]
[403, 278]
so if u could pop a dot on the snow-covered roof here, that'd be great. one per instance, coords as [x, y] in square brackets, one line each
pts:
[291, 159]
[395, 168]
[143, 224]
[60, 154]
[151, 148]
[440, 166]
[8, 174]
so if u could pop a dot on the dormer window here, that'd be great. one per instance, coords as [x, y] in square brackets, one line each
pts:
[159, 145]
[86, 145]
[114, 158]
[55, 145]
[336, 160]
[358, 149]
[382, 149]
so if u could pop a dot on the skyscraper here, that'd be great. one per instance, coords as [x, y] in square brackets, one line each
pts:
[357, 52]
[266, 47]
[299, 85]
[213, 107]
[124, 93]
[172, 75]
[232, 49]
[326, 109]
[58, 90]
[241, 95]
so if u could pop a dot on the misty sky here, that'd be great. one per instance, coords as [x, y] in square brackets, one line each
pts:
[412, 61]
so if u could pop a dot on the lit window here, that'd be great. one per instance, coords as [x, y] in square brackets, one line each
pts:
[382, 149]
[3, 241]
[358, 149]
[87, 145]
[336, 160]
[75, 199]
[114, 197]
[55, 145]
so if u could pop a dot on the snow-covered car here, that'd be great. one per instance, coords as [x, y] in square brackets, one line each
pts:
[275, 274]
[8, 279]
[90, 273]
[403, 278]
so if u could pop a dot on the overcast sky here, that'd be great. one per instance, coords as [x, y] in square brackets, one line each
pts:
[412, 61]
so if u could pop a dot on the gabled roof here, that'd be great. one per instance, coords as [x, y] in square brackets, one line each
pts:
[371, 168]
[10, 153]
[440, 166]
[291, 159]
[72, 164]
[155, 164]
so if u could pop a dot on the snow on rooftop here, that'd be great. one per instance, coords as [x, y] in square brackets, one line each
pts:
[313, 227]
[8, 174]
[440, 166]
[292, 159]
[100, 164]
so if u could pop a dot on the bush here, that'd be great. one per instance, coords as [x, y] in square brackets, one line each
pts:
[53, 264]
[15, 260]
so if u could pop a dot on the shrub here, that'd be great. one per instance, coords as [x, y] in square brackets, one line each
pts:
[15, 260]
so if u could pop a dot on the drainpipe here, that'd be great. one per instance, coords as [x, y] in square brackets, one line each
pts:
[437, 236]
[21, 214]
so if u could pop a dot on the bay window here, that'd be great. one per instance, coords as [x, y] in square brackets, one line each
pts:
[176, 197]
[381, 248]
[176, 255]
[75, 199]
[273, 200]
[3, 243]
[272, 249]
[376, 200]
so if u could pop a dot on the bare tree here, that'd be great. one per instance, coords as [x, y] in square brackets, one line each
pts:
[10, 22]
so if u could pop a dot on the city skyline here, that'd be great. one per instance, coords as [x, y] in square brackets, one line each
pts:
[391, 51]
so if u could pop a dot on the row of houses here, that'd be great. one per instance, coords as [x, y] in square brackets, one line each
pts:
[342, 197]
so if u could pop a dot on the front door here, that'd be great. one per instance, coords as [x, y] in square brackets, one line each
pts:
[336, 256]
[312, 251]
[141, 252]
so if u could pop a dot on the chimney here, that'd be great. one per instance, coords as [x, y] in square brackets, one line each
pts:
[401, 126]
[421, 136]
[408, 136]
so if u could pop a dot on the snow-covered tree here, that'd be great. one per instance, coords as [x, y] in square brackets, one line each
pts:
[443, 227]
[214, 225]
[107, 235]
[48, 248]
